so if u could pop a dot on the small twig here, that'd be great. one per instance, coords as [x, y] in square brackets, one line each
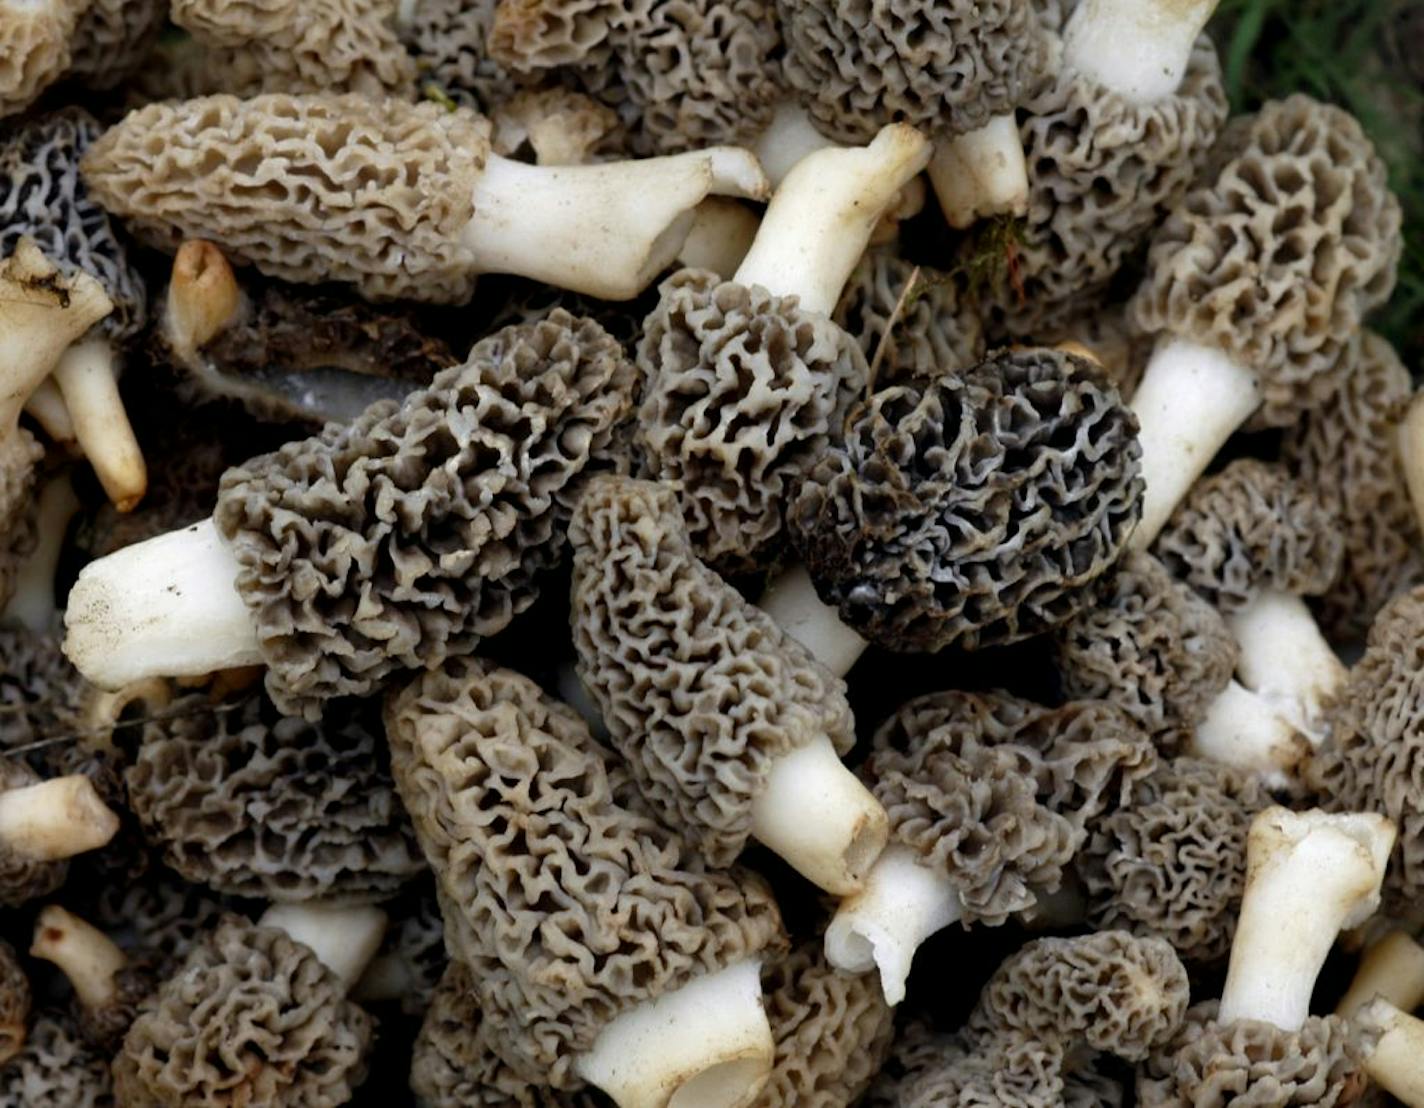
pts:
[895, 313]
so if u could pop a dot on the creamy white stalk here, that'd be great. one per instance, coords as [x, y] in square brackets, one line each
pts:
[165, 607]
[45, 405]
[1409, 443]
[791, 601]
[87, 375]
[707, 1044]
[87, 956]
[1309, 875]
[1244, 731]
[203, 298]
[1191, 399]
[823, 213]
[33, 603]
[1137, 48]
[788, 138]
[1286, 661]
[981, 173]
[1396, 1061]
[606, 229]
[1393, 969]
[819, 817]
[721, 234]
[880, 927]
[55, 819]
[344, 938]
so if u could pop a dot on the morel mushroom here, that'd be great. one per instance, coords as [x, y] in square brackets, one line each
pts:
[1257, 322]
[112, 39]
[14, 1006]
[108, 985]
[158, 916]
[449, 40]
[989, 798]
[652, 988]
[475, 476]
[56, 1067]
[730, 728]
[34, 48]
[1392, 968]
[42, 824]
[228, 169]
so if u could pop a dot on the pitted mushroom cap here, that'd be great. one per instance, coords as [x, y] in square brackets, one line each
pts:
[950, 65]
[415, 531]
[973, 509]
[1151, 647]
[567, 900]
[14, 1006]
[112, 39]
[449, 39]
[41, 693]
[252, 803]
[252, 1018]
[1172, 861]
[1004, 1071]
[272, 179]
[1109, 335]
[1248, 528]
[700, 690]
[832, 1031]
[939, 330]
[56, 1067]
[34, 48]
[1276, 256]
[1251, 1063]
[24, 879]
[529, 36]
[998, 793]
[158, 915]
[742, 392]
[43, 197]
[1344, 450]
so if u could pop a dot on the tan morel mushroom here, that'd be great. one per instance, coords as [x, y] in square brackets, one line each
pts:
[35, 40]
[14, 1005]
[442, 208]
[449, 40]
[108, 985]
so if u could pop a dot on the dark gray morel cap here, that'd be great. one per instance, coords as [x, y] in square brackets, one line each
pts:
[449, 40]
[973, 509]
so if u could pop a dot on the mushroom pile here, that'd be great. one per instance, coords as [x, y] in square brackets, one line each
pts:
[716, 554]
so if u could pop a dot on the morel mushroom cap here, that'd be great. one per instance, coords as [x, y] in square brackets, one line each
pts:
[592, 912]
[1007, 1071]
[442, 208]
[56, 1067]
[14, 1006]
[19, 455]
[34, 50]
[112, 39]
[707, 699]
[252, 1017]
[1344, 451]
[449, 39]
[252, 803]
[975, 508]
[159, 916]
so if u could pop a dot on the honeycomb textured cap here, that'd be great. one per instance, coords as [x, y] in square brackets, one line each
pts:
[415, 531]
[56, 1067]
[972, 509]
[112, 39]
[567, 900]
[158, 915]
[700, 691]
[43, 197]
[1151, 647]
[34, 48]
[307, 188]
[252, 1018]
[1207, 1064]
[1172, 861]
[1344, 451]
[530, 36]
[41, 694]
[997, 793]
[947, 66]
[1010, 1070]
[1278, 253]
[252, 803]
[1248, 528]
[14, 1003]
[742, 392]
[449, 40]
[23, 879]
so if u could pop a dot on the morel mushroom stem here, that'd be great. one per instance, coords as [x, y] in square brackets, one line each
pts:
[903, 904]
[722, 232]
[1192, 397]
[981, 173]
[1393, 969]
[816, 814]
[1396, 1061]
[1308, 876]
[33, 603]
[1410, 443]
[166, 607]
[55, 819]
[705, 1045]
[1242, 730]
[792, 602]
[1286, 661]
[344, 939]
[788, 139]
[87, 376]
[606, 229]
[1136, 48]
[46, 407]
[203, 300]
[821, 217]
[87, 956]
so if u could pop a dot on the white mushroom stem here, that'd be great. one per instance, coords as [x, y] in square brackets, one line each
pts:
[791, 601]
[165, 607]
[721, 234]
[880, 927]
[788, 138]
[1191, 399]
[1409, 440]
[607, 229]
[55, 819]
[707, 1044]
[344, 939]
[1286, 661]
[87, 375]
[33, 603]
[821, 218]
[1393, 969]
[203, 298]
[87, 956]
[1244, 731]
[102, 710]
[46, 407]
[981, 173]
[1396, 1063]
[1139, 49]
[817, 815]
[1308, 876]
